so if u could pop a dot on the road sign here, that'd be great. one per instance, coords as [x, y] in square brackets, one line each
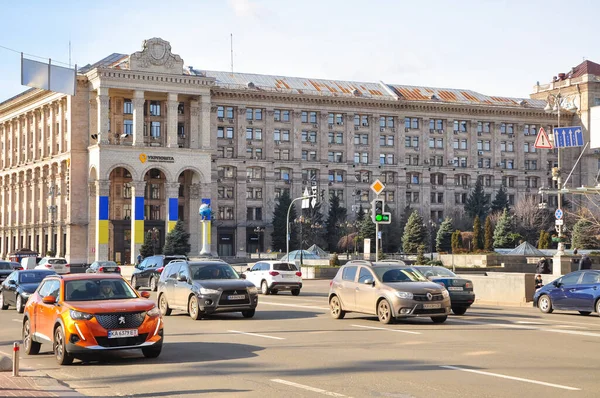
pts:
[565, 137]
[377, 187]
[558, 214]
[559, 222]
[305, 202]
[542, 141]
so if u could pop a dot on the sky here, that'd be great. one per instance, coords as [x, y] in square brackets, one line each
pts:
[493, 47]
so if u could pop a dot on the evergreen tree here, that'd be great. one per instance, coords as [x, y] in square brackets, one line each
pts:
[177, 241]
[312, 226]
[278, 236]
[477, 238]
[421, 255]
[443, 240]
[500, 201]
[488, 240]
[414, 233]
[503, 232]
[366, 230]
[477, 203]
[146, 250]
[456, 241]
[335, 217]
[402, 222]
[584, 235]
[360, 216]
[391, 234]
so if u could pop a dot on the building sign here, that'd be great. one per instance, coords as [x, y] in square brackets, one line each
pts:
[156, 159]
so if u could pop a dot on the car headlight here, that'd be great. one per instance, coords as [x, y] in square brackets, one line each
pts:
[208, 291]
[80, 316]
[404, 295]
[445, 293]
[252, 290]
[153, 312]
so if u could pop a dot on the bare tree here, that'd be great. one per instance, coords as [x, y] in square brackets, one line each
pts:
[588, 209]
[530, 219]
[460, 219]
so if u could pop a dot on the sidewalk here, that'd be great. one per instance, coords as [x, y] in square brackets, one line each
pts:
[33, 384]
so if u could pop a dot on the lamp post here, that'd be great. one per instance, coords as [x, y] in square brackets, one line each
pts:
[258, 231]
[432, 227]
[287, 224]
[53, 191]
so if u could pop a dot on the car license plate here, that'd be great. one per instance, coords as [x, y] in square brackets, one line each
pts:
[430, 306]
[236, 297]
[109, 270]
[115, 334]
[455, 288]
[287, 276]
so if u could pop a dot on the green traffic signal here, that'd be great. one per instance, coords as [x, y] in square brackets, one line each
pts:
[378, 217]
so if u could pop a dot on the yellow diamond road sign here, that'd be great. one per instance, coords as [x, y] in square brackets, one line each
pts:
[377, 187]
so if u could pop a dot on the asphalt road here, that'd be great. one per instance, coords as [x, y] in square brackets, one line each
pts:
[293, 348]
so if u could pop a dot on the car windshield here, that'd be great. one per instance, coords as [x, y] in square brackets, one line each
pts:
[33, 276]
[98, 289]
[436, 271]
[4, 266]
[213, 271]
[398, 274]
[284, 267]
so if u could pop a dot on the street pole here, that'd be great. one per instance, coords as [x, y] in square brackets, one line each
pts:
[287, 225]
[376, 241]
[559, 228]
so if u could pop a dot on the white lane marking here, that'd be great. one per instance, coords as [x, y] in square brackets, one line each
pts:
[530, 323]
[544, 321]
[543, 383]
[524, 327]
[389, 330]
[308, 388]
[17, 320]
[312, 307]
[571, 327]
[257, 335]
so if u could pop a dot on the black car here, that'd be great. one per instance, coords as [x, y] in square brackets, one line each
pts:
[205, 287]
[148, 272]
[460, 289]
[7, 267]
[19, 285]
[103, 266]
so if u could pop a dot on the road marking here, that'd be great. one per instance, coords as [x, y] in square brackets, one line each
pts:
[312, 307]
[17, 320]
[571, 327]
[543, 383]
[308, 388]
[389, 330]
[530, 323]
[524, 327]
[257, 335]
[476, 353]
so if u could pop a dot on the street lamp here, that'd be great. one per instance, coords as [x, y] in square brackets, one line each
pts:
[258, 231]
[432, 227]
[287, 224]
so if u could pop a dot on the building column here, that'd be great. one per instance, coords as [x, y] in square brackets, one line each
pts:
[205, 132]
[60, 117]
[194, 218]
[172, 189]
[194, 124]
[35, 120]
[172, 104]
[137, 219]
[103, 117]
[52, 128]
[19, 139]
[102, 220]
[138, 118]
[29, 125]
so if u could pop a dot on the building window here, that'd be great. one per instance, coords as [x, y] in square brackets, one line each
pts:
[155, 129]
[277, 115]
[220, 132]
[127, 191]
[154, 108]
[253, 134]
[334, 157]
[530, 129]
[225, 213]
[127, 107]
[229, 112]
[128, 127]
[336, 176]
[220, 112]
[309, 136]
[225, 192]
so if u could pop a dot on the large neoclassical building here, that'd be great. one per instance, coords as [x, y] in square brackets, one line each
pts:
[145, 139]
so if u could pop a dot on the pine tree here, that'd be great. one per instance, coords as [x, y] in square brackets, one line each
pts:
[477, 203]
[456, 241]
[146, 250]
[404, 219]
[584, 235]
[391, 234]
[503, 233]
[443, 240]
[477, 238]
[360, 216]
[421, 255]
[278, 236]
[414, 233]
[335, 217]
[488, 240]
[544, 241]
[177, 241]
[500, 201]
[366, 230]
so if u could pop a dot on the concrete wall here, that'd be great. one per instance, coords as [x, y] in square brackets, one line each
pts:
[503, 287]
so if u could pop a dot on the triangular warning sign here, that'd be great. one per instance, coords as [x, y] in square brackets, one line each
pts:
[542, 141]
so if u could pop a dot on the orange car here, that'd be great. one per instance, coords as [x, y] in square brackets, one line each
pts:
[82, 314]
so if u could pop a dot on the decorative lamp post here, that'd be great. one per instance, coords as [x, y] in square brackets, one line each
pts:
[259, 231]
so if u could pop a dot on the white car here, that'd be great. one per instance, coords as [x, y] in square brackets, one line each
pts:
[56, 264]
[273, 276]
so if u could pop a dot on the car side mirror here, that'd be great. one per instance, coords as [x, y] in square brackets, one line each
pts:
[145, 294]
[137, 266]
[368, 281]
[556, 284]
[49, 300]
[182, 278]
[243, 276]
[12, 282]
[248, 269]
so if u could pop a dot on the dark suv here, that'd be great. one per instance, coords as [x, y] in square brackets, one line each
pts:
[148, 272]
[205, 287]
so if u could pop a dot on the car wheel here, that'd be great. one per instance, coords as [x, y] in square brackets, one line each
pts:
[3, 305]
[585, 313]
[134, 282]
[459, 310]
[29, 346]
[439, 319]
[598, 307]
[545, 304]
[248, 313]
[193, 308]
[60, 348]
[152, 351]
[153, 284]
[336, 308]
[163, 305]
[384, 311]
[20, 305]
[264, 289]
[295, 292]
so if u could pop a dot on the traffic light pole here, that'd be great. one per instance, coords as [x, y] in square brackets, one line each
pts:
[376, 241]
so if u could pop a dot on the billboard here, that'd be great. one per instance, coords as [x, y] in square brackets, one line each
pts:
[47, 76]
[595, 127]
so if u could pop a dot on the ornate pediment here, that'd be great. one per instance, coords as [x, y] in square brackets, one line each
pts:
[156, 56]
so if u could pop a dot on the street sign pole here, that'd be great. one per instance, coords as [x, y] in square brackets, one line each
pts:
[377, 239]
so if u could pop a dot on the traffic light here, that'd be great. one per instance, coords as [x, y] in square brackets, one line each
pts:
[378, 215]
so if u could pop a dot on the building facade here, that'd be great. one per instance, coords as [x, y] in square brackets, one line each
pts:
[145, 140]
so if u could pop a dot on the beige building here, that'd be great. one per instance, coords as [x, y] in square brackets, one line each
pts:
[145, 140]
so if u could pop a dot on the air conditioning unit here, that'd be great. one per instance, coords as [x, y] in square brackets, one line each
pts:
[455, 132]
[406, 129]
[231, 141]
[480, 152]
[479, 134]
[277, 142]
[230, 121]
[432, 131]
[220, 119]
[330, 125]
[356, 128]
[408, 186]
[393, 130]
[441, 131]
[382, 129]
[315, 125]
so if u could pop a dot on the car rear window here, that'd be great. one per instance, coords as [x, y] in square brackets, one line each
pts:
[57, 261]
[5, 266]
[33, 276]
[284, 267]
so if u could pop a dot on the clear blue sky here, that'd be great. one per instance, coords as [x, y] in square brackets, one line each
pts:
[492, 47]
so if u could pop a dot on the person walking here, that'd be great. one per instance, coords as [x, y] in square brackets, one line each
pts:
[585, 262]
[543, 266]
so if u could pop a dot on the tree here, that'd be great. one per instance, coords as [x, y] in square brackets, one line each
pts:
[584, 235]
[421, 255]
[312, 226]
[443, 240]
[500, 201]
[503, 231]
[477, 203]
[366, 230]
[278, 236]
[477, 238]
[456, 241]
[360, 215]
[414, 233]
[544, 241]
[177, 241]
[335, 218]
[488, 240]
[403, 220]
[146, 250]
[391, 234]
[530, 219]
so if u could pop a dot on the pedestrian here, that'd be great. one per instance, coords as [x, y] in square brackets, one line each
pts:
[543, 266]
[538, 282]
[575, 252]
[585, 262]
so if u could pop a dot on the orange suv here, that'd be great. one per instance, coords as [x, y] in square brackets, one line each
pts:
[83, 314]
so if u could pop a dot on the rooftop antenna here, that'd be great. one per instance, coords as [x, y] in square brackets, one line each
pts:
[231, 40]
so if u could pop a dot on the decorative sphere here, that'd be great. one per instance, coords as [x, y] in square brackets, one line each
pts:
[204, 210]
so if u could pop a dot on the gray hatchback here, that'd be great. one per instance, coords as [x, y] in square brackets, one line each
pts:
[205, 287]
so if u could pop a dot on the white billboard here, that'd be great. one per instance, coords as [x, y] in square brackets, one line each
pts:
[47, 76]
[595, 127]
